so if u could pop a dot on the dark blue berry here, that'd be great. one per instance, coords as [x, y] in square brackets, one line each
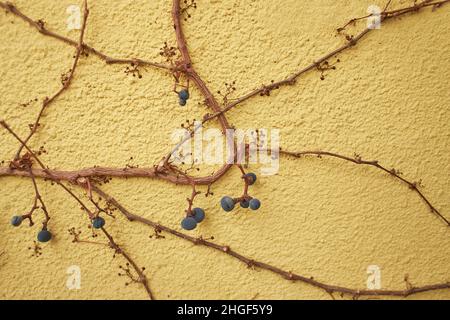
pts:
[44, 236]
[251, 178]
[188, 223]
[199, 214]
[183, 95]
[227, 203]
[16, 221]
[182, 102]
[255, 204]
[98, 222]
[245, 203]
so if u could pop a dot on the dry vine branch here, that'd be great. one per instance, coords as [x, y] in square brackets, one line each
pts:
[291, 80]
[373, 163]
[187, 68]
[38, 198]
[65, 83]
[142, 278]
[184, 179]
[168, 172]
[44, 168]
[43, 30]
[254, 263]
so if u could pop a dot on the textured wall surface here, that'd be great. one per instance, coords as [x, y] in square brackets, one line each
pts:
[388, 100]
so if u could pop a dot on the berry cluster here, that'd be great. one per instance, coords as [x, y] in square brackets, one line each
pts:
[43, 236]
[197, 215]
[183, 96]
[227, 203]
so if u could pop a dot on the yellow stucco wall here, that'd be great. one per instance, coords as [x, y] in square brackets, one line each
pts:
[388, 100]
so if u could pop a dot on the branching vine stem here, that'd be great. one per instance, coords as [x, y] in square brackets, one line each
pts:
[374, 163]
[251, 262]
[38, 198]
[167, 172]
[291, 80]
[109, 60]
[66, 83]
[142, 278]
[44, 168]
[179, 179]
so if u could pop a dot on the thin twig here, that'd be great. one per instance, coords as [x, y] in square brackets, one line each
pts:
[184, 179]
[414, 186]
[44, 168]
[253, 263]
[113, 244]
[66, 83]
[38, 197]
[109, 60]
[291, 80]
[142, 278]
[171, 173]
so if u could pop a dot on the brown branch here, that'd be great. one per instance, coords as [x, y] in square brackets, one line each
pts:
[185, 67]
[414, 186]
[210, 100]
[44, 168]
[190, 200]
[199, 82]
[387, 5]
[253, 263]
[385, 14]
[66, 83]
[291, 80]
[246, 180]
[8, 6]
[76, 238]
[142, 278]
[38, 197]
[183, 179]
[155, 173]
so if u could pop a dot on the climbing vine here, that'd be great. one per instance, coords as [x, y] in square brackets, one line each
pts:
[177, 64]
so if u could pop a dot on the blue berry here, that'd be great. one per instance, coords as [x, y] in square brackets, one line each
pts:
[255, 204]
[44, 236]
[98, 222]
[16, 221]
[188, 223]
[245, 203]
[182, 102]
[227, 203]
[251, 178]
[199, 214]
[183, 94]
